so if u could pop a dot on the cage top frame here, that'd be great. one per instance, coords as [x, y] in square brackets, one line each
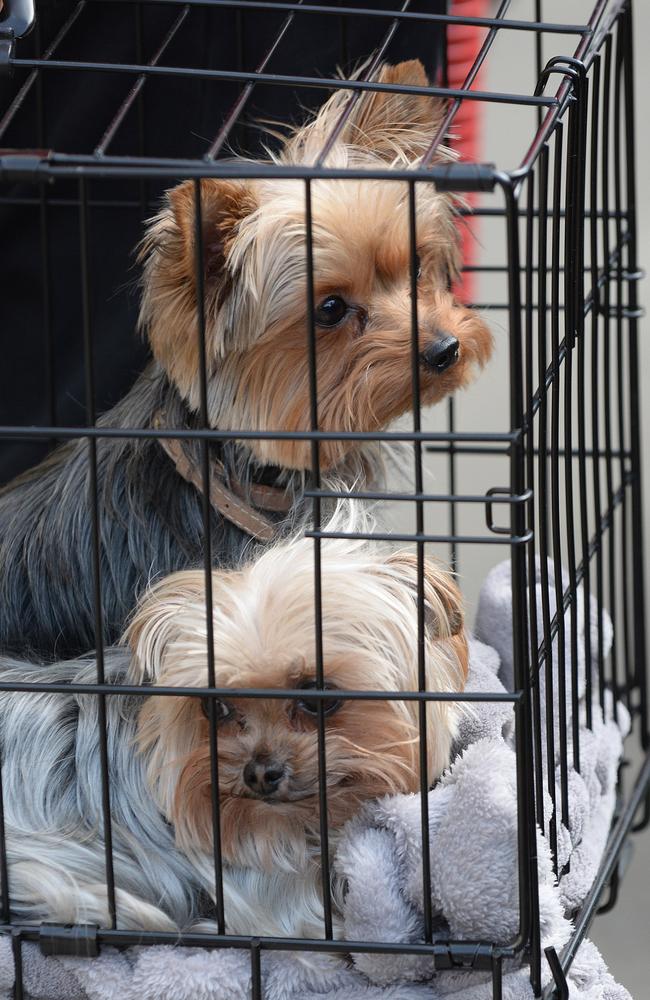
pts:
[35, 165]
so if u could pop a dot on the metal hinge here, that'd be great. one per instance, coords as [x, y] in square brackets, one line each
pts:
[23, 164]
[466, 955]
[465, 177]
[74, 940]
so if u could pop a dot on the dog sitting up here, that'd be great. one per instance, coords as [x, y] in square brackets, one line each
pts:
[258, 373]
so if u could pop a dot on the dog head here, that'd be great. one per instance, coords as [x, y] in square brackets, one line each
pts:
[253, 240]
[268, 747]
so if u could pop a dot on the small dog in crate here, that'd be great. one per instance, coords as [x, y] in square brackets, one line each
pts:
[159, 754]
[258, 373]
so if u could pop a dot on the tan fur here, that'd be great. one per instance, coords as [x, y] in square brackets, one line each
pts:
[254, 248]
[368, 754]
[264, 637]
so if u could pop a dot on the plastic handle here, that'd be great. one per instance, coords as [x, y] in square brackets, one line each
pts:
[16, 17]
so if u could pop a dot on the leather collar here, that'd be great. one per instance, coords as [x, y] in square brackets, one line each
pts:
[242, 506]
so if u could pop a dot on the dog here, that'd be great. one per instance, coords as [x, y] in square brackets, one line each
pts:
[268, 778]
[258, 374]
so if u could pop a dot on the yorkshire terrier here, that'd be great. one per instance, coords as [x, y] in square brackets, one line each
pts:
[268, 778]
[257, 335]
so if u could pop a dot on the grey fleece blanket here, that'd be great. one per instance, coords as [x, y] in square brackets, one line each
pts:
[474, 890]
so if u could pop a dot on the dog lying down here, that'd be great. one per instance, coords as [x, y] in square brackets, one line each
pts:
[159, 749]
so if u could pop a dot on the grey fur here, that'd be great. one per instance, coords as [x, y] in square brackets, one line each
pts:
[54, 823]
[52, 786]
[151, 524]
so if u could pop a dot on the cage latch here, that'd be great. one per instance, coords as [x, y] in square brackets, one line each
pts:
[559, 978]
[7, 42]
[73, 940]
[465, 177]
[16, 19]
[22, 165]
[501, 491]
[463, 955]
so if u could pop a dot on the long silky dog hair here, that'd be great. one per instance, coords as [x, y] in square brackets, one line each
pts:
[256, 333]
[158, 745]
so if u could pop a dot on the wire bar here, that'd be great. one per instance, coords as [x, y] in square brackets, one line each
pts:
[526, 836]
[531, 568]
[136, 89]
[93, 500]
[542, 456]
[19, 99]
[612, 852]
[400, 15]
[418, 497]
[561, 275]
[199, 271]
[282, 80]
[368, 74]
[473, 72]
[637, 526]
[233, 117]
[395, 536]
[625, 602]
[419, 520]
[5, 901]
[217, 434]
[146, 691]
[584, 54]
[317, 535]
[569, 596]
[119, 938]
[591, 301]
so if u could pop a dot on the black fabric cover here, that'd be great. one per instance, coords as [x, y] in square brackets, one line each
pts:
[41, 318]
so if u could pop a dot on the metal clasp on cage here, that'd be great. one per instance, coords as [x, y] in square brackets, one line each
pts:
[16, 20]
[623, 312]
[466, 177]
[637, 275]
[508, 498]
[574, 69]
[23, 165]
[6, 49]
[75, 940]
[466, 955]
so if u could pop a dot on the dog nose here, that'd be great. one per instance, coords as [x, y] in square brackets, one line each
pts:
[442, 354]
[263, 776]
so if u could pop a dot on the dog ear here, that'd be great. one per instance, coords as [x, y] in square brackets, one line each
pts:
[396, 125]
[443, 610]
[444, 617]
[390, 125]
[169, 313]
[172, 609]
[223, 206]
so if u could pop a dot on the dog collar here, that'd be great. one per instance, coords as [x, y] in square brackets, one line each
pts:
[240, 505]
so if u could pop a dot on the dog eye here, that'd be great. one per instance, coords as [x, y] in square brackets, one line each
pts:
[222, 710]
[331, 311]
[418, 266]
[310, 705]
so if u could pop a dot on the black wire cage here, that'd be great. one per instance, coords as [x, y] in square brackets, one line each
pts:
[105, 104]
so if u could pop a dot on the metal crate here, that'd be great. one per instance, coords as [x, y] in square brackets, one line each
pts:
[561, 271]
